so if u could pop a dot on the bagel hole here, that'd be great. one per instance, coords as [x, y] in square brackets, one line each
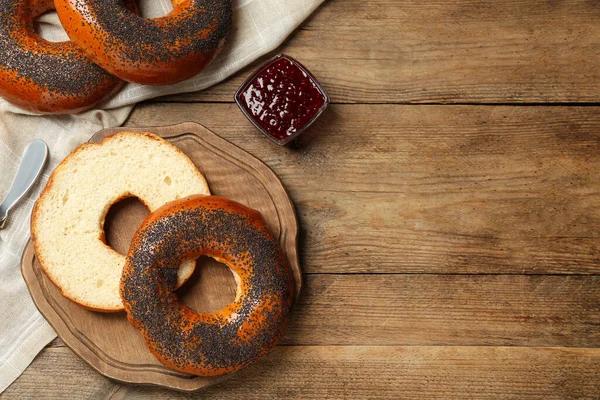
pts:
[211, 287]
[148, 9]
[122, 220]
[49, 28]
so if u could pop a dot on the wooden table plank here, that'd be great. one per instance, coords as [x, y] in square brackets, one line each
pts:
[436, 189]
[505, 51]
[447, 310]
[423, 309]
[352, 372]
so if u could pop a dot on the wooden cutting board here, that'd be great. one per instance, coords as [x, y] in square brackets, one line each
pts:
[107, 342]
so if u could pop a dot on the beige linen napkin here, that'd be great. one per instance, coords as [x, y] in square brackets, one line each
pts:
[259, 27]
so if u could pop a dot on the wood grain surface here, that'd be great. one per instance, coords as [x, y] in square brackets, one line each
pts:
[449, 251]
[461, 51]
[350, 372]
[435, 189]
[433, 309]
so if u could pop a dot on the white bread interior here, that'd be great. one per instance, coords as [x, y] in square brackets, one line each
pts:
[68, 219]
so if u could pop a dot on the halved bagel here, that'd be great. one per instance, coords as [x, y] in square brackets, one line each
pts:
[67, 223]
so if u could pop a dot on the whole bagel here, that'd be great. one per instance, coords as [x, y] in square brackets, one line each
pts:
[207, 344]
[43, 76]
[156, 51]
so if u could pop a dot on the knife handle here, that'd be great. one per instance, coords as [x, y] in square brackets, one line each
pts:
[32, 163]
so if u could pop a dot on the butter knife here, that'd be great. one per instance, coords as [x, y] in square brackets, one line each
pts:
[32, 163]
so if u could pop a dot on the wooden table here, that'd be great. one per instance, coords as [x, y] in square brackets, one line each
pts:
[449, 202]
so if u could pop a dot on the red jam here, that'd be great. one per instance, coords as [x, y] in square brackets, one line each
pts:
[283, 98]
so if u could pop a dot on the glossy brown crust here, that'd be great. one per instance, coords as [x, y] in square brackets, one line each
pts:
[224, 341]
[157, 51]
[43, 76]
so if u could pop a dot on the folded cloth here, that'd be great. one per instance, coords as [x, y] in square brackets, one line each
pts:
[259, 27]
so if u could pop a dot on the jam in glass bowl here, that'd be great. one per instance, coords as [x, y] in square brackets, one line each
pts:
[282, 99]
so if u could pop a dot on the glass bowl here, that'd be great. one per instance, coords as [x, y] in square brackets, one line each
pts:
[282, 99]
